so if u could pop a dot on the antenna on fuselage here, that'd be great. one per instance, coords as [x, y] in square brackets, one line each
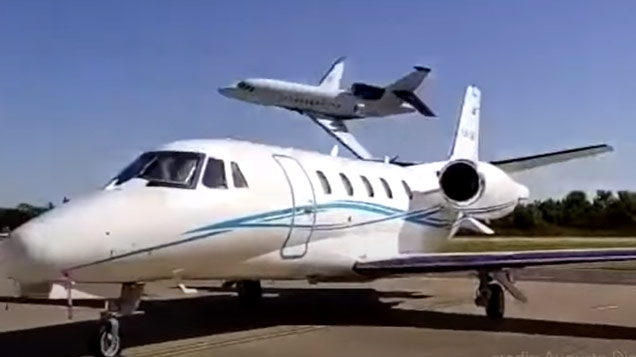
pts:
[334, 150]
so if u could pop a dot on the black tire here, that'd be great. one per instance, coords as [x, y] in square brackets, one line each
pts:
[496, 303]
[249, 292]
[107, 342]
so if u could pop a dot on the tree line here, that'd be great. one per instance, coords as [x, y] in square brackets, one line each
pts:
[11, 218]
[605, 214]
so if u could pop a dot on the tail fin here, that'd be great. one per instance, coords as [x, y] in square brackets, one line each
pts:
[331, 79]
[466, 141]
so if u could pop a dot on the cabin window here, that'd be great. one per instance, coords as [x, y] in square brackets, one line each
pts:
[407, 189]
[214, 176]
[387, 188]
[324, 182]
[367, 185]
[347, 184]
[237, 176]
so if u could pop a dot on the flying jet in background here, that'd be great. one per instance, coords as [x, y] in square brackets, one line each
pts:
[328, 100]
[330, 106]
[243, 212]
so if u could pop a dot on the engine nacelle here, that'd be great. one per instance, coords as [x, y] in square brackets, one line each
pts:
[461, 183]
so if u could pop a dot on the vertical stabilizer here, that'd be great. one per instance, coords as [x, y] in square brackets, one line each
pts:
[466, 141]
[331, 79]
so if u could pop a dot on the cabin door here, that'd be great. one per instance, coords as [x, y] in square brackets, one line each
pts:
[303, 205]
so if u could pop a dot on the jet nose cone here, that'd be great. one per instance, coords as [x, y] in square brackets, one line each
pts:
[11, 254]
[229, 92]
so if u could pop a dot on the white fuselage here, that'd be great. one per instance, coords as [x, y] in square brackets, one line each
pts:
[314, 100]
[284, 225]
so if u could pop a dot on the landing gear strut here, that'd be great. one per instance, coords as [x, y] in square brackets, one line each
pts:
[249, 292]
[107, 342]
[490, 296]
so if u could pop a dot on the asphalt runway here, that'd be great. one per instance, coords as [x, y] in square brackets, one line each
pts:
[570, 313]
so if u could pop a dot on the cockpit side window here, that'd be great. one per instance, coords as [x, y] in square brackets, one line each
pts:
[237, 176]
[164, 168]
[214, 175]
[244, 86]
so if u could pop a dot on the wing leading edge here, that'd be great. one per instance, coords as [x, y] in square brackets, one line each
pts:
[453, 262]
[530, 162]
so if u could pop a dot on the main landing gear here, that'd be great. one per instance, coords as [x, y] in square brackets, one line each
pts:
[107, 342]
[490, 296]
[490, 293]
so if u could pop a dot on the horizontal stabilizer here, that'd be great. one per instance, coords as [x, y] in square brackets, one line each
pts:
[415, 101]
[530, 162]
[411, 81]
[449, 262]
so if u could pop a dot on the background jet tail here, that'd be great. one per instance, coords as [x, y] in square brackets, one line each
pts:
[331, 79]
[404, 89]
[466, 142]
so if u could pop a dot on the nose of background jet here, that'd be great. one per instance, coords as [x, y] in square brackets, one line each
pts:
[229, 92]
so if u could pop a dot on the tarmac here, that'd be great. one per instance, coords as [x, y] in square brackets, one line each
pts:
[572, 312]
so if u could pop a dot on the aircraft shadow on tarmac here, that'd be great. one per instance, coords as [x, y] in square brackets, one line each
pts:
[173, 320]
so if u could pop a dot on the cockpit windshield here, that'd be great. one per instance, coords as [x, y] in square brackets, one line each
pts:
[244, 86]
[164, 168]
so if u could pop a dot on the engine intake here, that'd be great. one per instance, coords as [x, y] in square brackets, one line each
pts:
[460, 182]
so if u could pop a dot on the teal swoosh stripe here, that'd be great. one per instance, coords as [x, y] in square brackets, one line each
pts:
[265, 220]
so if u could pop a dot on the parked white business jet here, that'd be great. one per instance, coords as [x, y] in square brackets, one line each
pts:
[242, 212]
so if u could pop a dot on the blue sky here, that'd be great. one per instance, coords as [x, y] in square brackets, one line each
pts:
[86, 85]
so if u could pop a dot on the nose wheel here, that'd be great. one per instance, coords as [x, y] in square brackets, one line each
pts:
[107, 341]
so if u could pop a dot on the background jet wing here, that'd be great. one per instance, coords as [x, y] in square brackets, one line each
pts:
[338, 130]
[530, 162]
[450, 262]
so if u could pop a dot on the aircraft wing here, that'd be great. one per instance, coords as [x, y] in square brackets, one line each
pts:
[534, 161]
[487, 261]
[530, 162]
[338, 130]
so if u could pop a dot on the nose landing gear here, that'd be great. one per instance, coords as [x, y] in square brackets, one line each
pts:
[107, 342]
